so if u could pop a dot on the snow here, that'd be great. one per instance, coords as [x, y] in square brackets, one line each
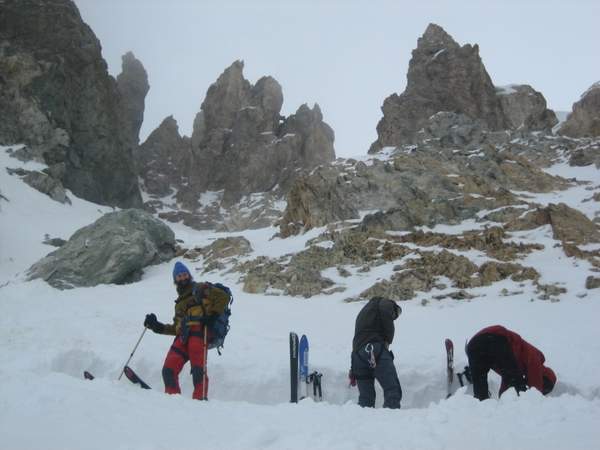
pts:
[48, 337]
[210, 197]
[438, 53]
[506, 90]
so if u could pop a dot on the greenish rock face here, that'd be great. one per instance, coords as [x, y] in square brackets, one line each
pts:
[114, 249]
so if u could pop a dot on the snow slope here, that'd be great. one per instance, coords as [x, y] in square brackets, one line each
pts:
[48, 337]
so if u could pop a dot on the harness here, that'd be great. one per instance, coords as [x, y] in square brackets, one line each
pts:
[368, 353]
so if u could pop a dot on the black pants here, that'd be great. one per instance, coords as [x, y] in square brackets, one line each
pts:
[384, 372]
[491, 350]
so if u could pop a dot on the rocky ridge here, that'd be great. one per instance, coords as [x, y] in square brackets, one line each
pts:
[450, 175]
[240, 146]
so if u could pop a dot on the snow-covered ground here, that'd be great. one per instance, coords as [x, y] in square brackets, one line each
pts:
[49, 337]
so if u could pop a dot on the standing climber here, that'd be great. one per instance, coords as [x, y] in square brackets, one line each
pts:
[195, 306]
[371, 357]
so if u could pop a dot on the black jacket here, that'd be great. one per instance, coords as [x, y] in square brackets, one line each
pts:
[375, 323]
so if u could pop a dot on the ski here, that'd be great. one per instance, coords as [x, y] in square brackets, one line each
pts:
[449, 366]
[133, 377]
[87, 375]
[303, 355]
[293, 367]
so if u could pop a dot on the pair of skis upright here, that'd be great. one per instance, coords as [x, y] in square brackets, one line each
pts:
[299, 373]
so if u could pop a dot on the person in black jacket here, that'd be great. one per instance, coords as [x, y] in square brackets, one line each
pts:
[371, 357]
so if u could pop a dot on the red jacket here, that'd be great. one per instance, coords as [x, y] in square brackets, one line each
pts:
[529, 359]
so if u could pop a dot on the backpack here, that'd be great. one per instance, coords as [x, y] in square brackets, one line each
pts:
[218, 324]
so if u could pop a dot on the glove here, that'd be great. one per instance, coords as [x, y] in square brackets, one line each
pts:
[152, 323]
[150, 320]
[519, 384]
[351, 378]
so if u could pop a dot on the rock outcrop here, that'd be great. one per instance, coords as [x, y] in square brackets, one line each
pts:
[584, 121]
[57, 97]
[222, 251]
[133, 86]
[568, 225]
[240, 145]
[422, 259]
[425, 184]
[442, 76]
[114, 249]
[525, 108]
[44, 183]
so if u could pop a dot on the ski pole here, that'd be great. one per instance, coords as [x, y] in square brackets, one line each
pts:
[132, 352]
[204, 375]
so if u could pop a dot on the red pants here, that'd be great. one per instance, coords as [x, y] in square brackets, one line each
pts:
[178, 355]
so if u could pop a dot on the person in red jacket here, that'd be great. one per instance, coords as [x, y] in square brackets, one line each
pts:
[519, 363]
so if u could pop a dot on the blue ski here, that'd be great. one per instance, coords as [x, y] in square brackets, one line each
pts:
[303, 355]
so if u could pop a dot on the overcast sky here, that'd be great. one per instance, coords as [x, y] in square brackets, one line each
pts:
[347, 56]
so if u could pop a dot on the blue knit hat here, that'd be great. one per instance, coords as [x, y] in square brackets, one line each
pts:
[180, 268]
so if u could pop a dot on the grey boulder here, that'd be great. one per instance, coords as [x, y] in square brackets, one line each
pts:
[114, 249]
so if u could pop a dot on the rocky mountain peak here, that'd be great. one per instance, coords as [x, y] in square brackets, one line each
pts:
[226, 97]
[436, 37]
[446, 77]
[240, 145]
[442, 76]
[133, 87]
[168, 126]
[163, 158]
[268, 95]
